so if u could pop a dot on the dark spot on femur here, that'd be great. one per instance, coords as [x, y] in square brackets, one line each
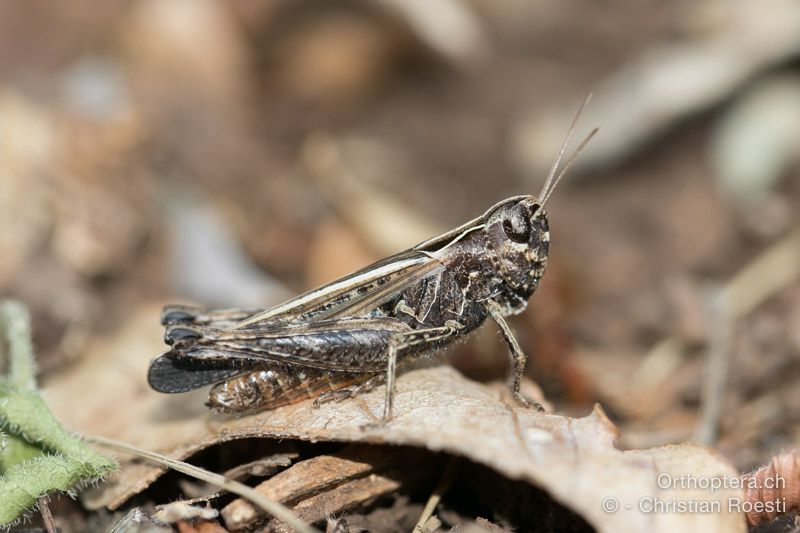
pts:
[517, 225]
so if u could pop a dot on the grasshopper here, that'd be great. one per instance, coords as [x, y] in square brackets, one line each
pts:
[348, 336]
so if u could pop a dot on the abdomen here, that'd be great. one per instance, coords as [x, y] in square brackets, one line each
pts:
[276, 386]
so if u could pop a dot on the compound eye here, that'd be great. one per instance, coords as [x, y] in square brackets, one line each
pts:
[516, 225]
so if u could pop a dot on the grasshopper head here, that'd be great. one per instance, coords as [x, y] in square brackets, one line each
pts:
[518, 234]
[517, 230]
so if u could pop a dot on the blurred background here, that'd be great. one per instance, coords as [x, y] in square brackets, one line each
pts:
[237, 153]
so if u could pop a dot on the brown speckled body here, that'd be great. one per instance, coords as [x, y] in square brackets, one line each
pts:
[277, 385]
[342, 333]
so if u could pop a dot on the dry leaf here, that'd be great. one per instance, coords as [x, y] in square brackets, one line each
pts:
[574, 460]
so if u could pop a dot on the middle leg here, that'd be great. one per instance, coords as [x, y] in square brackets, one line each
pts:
[401, 341]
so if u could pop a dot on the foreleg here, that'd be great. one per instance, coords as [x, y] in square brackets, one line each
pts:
[518, 358]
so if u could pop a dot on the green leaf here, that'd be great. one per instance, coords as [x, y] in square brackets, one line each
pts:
[38, 456]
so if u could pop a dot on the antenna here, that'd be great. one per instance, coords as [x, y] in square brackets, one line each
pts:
[567, 166]
[553, 177]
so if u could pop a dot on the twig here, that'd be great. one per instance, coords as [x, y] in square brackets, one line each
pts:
[272, 507]
[751, 286]
[436, 496]
[764, 276]
[47, 516]
[719, 354]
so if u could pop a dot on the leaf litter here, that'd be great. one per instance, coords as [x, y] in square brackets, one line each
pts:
[573, 460]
